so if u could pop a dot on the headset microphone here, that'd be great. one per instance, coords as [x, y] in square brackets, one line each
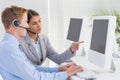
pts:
[31, 31]
[16, 24]
[23, 27]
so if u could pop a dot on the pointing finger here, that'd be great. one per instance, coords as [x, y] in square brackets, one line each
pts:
[79, 42]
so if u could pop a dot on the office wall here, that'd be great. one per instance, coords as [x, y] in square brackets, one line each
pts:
[56, 24]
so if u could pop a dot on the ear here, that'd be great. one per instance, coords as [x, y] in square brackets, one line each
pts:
[15, 23]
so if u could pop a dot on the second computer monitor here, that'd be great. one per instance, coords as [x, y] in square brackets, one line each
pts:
[76, 30]
[102, 40]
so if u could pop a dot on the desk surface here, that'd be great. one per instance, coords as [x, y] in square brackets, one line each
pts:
[103, 75]
[113, 76]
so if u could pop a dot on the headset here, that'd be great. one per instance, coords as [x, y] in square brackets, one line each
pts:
[16, 22]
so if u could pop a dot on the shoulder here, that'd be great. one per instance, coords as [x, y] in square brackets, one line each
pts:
[7, 48]
[43, 37]
[22, 41]
[25, 40]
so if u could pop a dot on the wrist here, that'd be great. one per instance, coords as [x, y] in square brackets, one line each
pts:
[71, 50]
[59, 69]
[68, 73]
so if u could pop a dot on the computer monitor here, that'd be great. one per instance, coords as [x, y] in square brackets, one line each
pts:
[102, 40]
[76, 31]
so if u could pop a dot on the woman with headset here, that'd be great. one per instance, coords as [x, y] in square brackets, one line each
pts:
[37, 47]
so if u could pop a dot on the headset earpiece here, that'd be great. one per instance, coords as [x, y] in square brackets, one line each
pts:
[15, 22]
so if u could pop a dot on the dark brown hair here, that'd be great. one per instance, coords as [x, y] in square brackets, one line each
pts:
[31, 13]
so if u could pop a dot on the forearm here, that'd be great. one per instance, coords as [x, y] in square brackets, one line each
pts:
[60, 58]
[46, 69]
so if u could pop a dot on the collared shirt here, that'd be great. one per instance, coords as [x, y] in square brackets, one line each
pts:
[14, 65]
[38, 49]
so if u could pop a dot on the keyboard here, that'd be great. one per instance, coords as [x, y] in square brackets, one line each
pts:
[85, 73]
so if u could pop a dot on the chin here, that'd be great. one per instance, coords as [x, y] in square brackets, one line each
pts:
[23, 35]
[39, 32]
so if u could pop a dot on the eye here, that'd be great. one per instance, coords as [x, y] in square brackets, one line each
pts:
[34, 23]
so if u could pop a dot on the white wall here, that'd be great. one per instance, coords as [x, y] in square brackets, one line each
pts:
[56, 24]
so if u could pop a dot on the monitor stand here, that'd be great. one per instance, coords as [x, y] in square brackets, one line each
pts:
[81, 51]
[113, 66]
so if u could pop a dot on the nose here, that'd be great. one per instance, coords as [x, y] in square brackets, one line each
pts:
[39, 25]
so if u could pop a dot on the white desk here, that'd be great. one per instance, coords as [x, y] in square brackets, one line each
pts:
[101, 77]
[82, 60]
